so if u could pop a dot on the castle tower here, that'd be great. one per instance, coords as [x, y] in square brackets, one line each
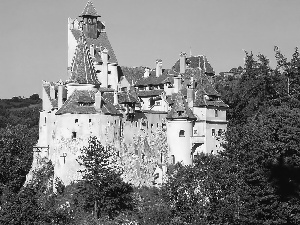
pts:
[180, 130]
[89, 20]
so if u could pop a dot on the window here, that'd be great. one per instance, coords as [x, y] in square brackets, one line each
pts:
[90, 120]
[157, 103]
[76, 120]
[73, 135]
[45, 119]
[172, 159]
[216, 113]
[213, 132]
[179, 113]
[181, 133]
[109, 86]
[124, 89]
[219, 132]
[195, 132]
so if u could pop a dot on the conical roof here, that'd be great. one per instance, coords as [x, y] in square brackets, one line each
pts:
[82, 68]
[180, 109]
[89, 10]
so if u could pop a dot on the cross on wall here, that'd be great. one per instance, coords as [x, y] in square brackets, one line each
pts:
[64, 155]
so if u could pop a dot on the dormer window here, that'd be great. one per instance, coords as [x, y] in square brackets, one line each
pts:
[181, 133]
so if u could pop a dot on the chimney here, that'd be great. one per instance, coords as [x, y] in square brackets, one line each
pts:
[158, 67]
[98, 100]
[52, 92]
[146, 72]
[182, 59]
[116, 102]
[60, 93]
[190, 94]
[92, 50]
[177, 83]
[104, 57]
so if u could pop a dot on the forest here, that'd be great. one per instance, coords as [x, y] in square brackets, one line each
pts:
[254, 180]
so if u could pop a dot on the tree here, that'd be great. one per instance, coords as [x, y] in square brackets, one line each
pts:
[16, 156]
[102, 190]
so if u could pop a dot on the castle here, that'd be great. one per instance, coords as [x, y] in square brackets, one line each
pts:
[112, 102]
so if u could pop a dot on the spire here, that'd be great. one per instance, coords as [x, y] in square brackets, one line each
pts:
[83, 71]
[89, 10]
[180, 109]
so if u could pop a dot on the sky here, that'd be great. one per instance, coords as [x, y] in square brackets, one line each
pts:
[33, 37]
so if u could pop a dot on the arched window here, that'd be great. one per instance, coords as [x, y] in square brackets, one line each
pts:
[172, 159]
[181, 133]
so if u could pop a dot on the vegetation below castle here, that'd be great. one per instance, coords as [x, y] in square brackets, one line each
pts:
[255, 180]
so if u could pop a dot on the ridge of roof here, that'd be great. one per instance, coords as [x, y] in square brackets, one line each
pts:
[82, 68]
[180, 109]
[193, 62]
[89, 10]
[148, 93]
[72, 105]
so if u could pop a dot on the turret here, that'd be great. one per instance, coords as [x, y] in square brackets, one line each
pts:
[182, 59]
[104, 57]
[89, 20]
[180, 130]
[158, 67]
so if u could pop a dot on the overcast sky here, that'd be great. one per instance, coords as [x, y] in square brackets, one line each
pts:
[33, 40]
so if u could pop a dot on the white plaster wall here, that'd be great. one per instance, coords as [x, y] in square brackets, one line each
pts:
[104, 127]
[180, 147]
[200, 113]
[212, 142]
[72, 43]
[210, 114]
[46, 101]
[113, 76]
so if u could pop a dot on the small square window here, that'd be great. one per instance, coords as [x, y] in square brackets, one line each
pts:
[213, 132]
[90, 120]
[74, 135]
[195, 132]
[181, 133]
[76, 120]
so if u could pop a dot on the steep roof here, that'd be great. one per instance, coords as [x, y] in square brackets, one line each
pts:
[153, 80]
[180, 109]
[89, 10]
[199, 61]
[201, 101]
[132, 74]
[73, 104]
[82, 68]
[149, 93]
[54, 102]
[99, 43]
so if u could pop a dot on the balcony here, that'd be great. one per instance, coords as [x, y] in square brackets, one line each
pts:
[197, 139]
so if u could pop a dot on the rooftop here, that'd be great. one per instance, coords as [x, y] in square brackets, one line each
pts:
[89, 10]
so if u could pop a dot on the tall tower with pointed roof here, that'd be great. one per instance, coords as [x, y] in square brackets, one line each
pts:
[180, 130]
[100, 50]
[89, 20]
